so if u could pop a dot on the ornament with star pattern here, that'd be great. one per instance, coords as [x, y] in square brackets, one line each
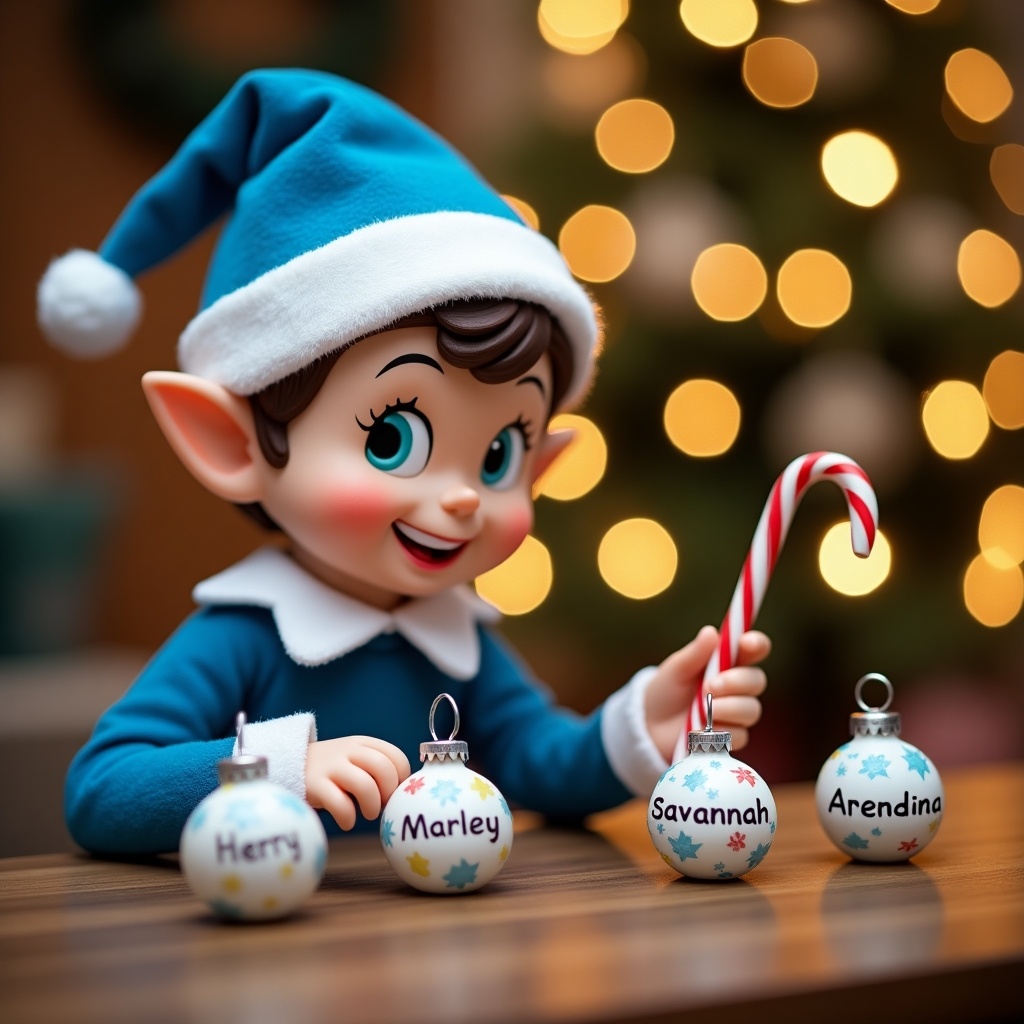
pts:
[252, 850]
[711, 816]
[446, 829]
[879, 798]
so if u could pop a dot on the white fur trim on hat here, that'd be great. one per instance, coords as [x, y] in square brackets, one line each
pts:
[86, 306]
[365, 280]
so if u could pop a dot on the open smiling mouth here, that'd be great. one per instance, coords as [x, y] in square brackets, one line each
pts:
[425, 548]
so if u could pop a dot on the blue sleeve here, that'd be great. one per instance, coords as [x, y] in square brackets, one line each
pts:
[542, 757]
[153, 755]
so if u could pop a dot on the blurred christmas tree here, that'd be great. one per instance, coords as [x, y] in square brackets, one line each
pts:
[817, 207]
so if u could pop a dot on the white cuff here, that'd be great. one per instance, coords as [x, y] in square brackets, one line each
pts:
[631, 751]
[284, 743]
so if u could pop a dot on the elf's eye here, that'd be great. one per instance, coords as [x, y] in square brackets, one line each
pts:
[504, 458]
[399, 441]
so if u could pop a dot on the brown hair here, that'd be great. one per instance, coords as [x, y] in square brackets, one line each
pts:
[496, 340]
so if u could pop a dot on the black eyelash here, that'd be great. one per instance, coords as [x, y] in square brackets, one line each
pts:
[397, 406]
[525, 428]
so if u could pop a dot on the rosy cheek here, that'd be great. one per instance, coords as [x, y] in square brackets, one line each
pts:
[358, 509]
[515, 524]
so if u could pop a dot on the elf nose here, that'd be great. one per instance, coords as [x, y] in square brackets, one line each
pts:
[460, 500]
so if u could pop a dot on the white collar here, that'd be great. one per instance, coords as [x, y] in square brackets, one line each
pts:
[318, 624]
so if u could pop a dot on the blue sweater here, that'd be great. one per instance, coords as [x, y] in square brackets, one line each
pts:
[153, 754]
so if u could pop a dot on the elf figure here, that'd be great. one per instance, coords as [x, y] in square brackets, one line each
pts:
[380, 345]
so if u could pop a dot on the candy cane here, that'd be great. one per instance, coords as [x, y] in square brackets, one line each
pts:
[764, 551]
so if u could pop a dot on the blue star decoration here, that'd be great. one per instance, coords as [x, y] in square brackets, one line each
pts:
[712, 794]
[874, 765]
[715, 764]
[854, 842]
[876, 832]
[722, 873]
[661, 827]
[198, 818]
[225, 909]
[462, 874]
[444, 790]
[758, 855]
[241, 813]
[771, 827]
[915, 761]
[387, 831]
[841, 770]
[684, 846]
[504, 806]
[695, 780]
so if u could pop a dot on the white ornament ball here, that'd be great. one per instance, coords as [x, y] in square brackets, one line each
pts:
[253, 850]
[711, 816]
[446, 829]
[879, 798]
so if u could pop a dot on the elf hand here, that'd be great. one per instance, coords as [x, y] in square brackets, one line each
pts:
[736, 690]
[353, 769]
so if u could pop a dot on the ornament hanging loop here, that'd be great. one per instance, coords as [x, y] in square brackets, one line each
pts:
[433, 711]
[710, 727]
[240, 731]
[873, 677]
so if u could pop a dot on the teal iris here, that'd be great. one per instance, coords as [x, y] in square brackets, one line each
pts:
[503, 459]
[399, 443]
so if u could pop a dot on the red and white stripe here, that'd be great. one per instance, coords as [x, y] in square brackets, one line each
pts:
[769, 537]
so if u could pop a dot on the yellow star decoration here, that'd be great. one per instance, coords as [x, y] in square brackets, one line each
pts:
[420, 865]
[933, 824]
[231, 883]
[270, 903]
[666, 859]
[833, 755]
[482, 788]
[504, 853]
[287, 871]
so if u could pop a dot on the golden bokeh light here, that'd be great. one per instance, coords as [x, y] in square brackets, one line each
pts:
[859, 167]
[581, 466]
[780, 72]
[598, 243]
[729, 282]
[580, 26]
[1006, 168]
[1001, 526]
[955, 419]
[848, 573]
[637, 558]
[914, 6]
[702, 418]
[578, 87]
[988, 268]
[635, 135]
[1003, 390]
[525, 210]
[720, 23]
[814, 288]
[977, 85]
[994, 596]
[521, 582]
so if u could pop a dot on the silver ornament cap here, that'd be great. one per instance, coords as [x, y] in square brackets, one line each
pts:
[709, 740]
[450, 749]
[874, 720]
[242, 767]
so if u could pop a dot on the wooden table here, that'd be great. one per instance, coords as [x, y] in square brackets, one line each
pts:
[582, 925]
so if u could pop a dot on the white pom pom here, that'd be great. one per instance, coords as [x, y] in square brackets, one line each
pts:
[86, 306]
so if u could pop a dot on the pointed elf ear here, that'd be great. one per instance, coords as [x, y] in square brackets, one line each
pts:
[550, 447]
[211, 430]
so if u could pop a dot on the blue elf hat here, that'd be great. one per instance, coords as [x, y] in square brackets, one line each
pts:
[344, 213]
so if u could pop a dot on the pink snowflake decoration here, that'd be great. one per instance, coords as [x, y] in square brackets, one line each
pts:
[413, 785]
[745, 775]
[912, 845]
[736, 841]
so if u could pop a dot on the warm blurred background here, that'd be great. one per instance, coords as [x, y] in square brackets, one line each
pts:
[803, 221]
